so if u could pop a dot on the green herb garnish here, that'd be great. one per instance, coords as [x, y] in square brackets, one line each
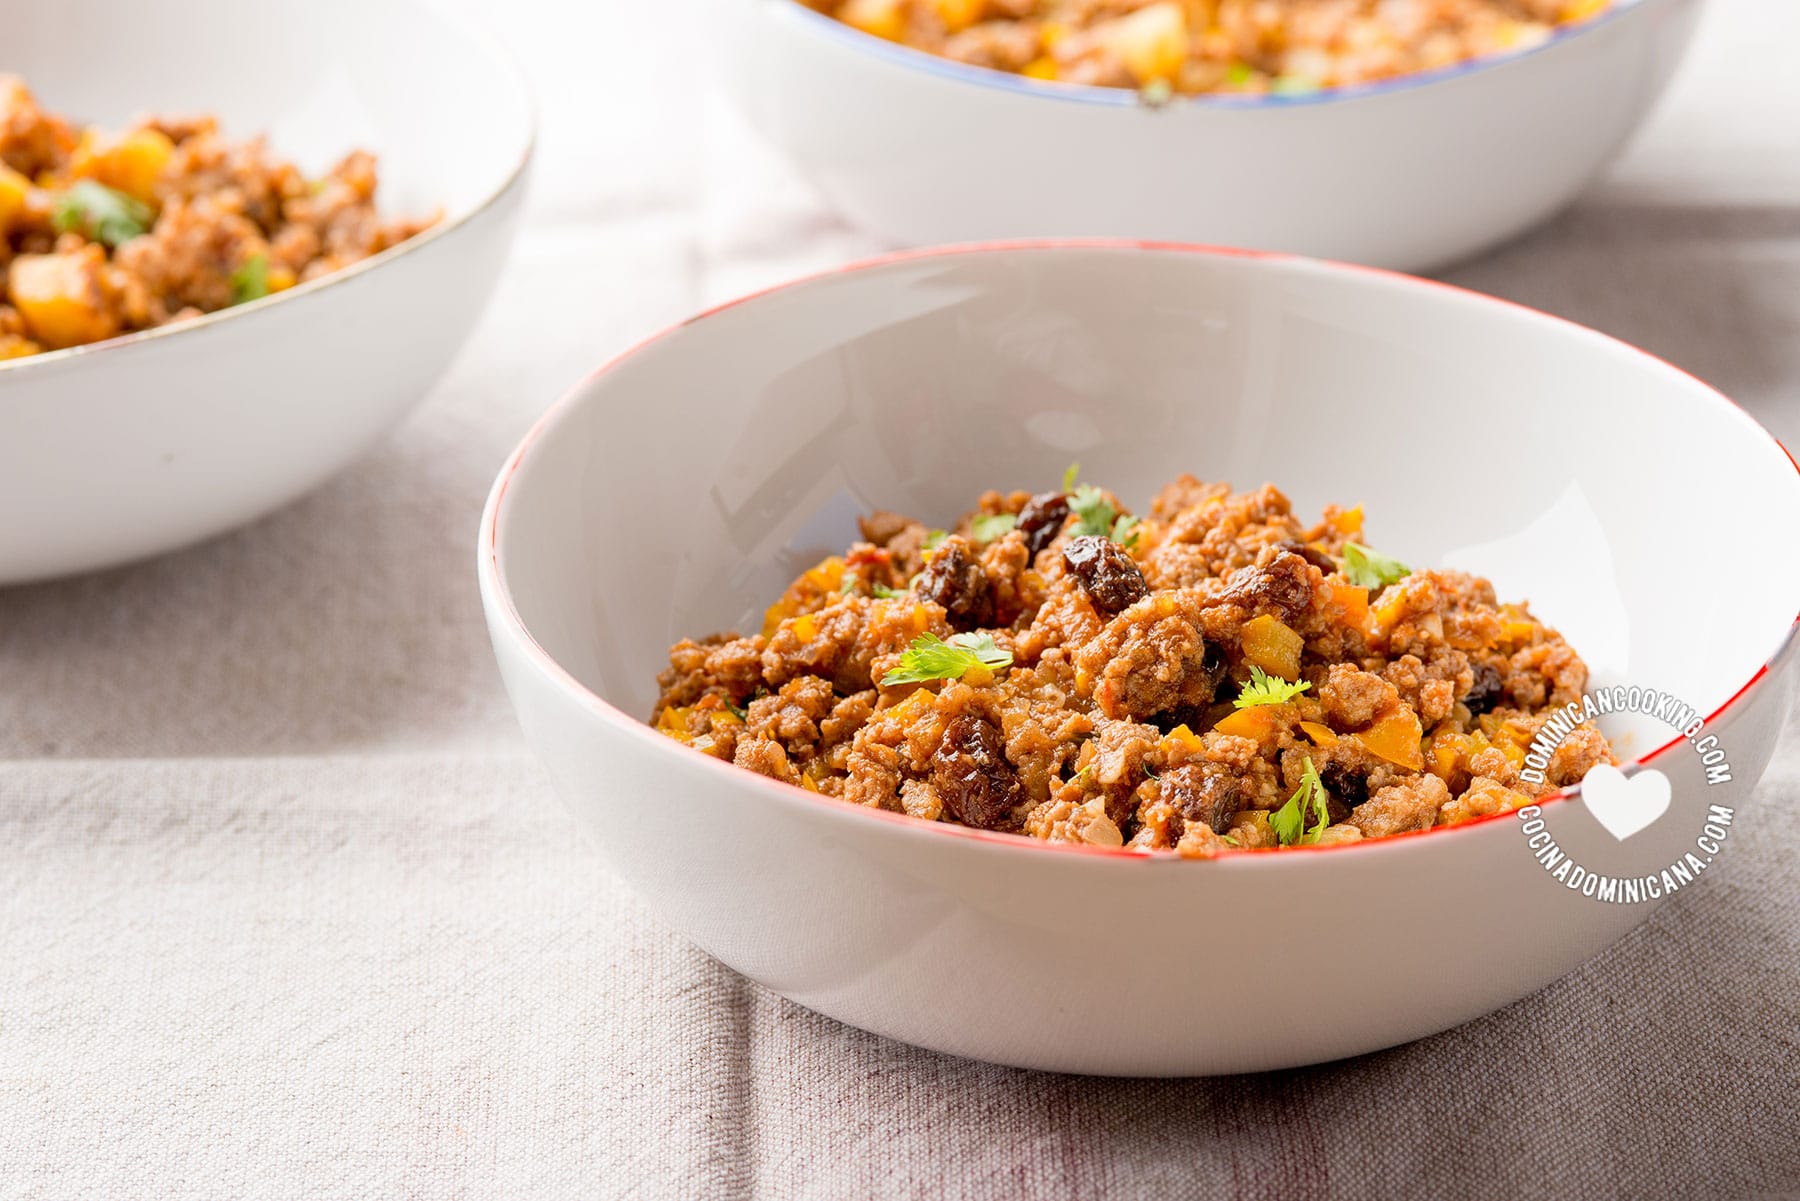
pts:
[1124, 531]
[1229, 840]
[1070, 476]
[876, 588]
[1366, 569]
[992, 526]
[1156, 93]
[935, 539]
[931, 658]
[1240, 74]
[1265, 689]
[742, 713]
[100, 214]
[251, 280]
[1289, 821]
[1096, 513]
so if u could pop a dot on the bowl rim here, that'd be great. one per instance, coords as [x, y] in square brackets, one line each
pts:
[484, 40]
[498, 598]
[924, 61]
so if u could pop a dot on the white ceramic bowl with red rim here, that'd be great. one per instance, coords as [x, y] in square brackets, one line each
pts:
[676, 491]
[131, 447]
[1408, 173]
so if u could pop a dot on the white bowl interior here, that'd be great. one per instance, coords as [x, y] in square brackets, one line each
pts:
[434, 101]
[682, 489]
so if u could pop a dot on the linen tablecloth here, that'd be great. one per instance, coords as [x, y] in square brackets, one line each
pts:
[287, 909]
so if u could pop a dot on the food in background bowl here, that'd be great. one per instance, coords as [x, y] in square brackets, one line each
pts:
[104, 234]
[1228, 46]
[1449, 161]
[1215, 676]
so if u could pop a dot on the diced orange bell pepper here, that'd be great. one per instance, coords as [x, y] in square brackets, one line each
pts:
[1181, 736]
[1321, 734]
[1395, 737]
[1259, 722]
[1348, 522]
[1350, 601]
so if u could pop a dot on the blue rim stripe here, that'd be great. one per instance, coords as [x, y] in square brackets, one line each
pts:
[1006, 81]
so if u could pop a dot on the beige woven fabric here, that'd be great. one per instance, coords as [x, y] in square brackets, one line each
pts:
[286, 910]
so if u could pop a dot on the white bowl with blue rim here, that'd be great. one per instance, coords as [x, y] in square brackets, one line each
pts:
[1409, 173]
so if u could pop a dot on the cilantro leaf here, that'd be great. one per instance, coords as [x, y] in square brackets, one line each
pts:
[1156, 92]
[100, 214]
[1096, 512]
[935, 539]
[1070, 476]
[931, 658]
[1289, 821]
[877, 589]
[251, 280]
[991, 526]
[1265, 689]
[1366, 569]
[1124, 531]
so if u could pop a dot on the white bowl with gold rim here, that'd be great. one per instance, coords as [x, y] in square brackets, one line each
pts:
[127, 448]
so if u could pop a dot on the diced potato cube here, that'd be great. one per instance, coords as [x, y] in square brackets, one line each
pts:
[131, 164]
[61, 298]
[14, 188]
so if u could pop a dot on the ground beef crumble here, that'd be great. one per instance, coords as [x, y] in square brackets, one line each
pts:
[1115, 722]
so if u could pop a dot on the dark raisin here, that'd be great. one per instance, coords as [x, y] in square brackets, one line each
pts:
[1311, 554]
[1486, 691]
[954, 579]
[1282, 586]
[1207, 797]
[1042, 519]
[1218, 670]
[882, 527]
[1346, 790]
[971, 776]
[1106, 573]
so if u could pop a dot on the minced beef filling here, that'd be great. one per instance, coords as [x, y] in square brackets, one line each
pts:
[103, 234]
[1214, 676]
